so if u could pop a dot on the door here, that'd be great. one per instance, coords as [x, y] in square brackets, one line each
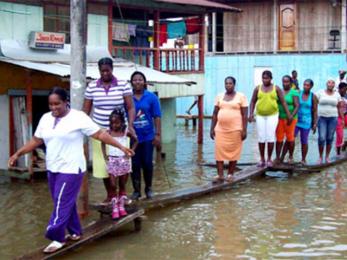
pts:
[287, 28]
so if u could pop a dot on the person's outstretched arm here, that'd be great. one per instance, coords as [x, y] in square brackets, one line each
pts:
[27, 148]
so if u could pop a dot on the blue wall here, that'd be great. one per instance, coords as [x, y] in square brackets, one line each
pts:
[318, 67]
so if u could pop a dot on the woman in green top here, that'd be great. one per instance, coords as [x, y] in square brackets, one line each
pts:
[264, 101]
[286, 126]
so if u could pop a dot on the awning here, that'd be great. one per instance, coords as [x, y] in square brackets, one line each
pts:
[57, 63]
[122, 71]
[204, 3]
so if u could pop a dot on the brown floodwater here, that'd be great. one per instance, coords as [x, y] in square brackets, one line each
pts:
[275, 217]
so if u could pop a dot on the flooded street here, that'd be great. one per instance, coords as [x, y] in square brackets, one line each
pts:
[299, 216]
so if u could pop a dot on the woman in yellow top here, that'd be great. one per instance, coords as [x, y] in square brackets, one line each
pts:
[229, 128]
[264, 101]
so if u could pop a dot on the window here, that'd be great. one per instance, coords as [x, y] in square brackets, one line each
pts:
[57, 19]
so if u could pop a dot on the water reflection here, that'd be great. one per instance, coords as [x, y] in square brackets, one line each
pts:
[297, 216]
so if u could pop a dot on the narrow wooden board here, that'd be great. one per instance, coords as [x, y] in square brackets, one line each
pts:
[168, 198]
[92, 232]
[308, 167]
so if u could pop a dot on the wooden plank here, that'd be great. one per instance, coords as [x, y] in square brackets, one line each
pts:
[169, 198]
[91, 232]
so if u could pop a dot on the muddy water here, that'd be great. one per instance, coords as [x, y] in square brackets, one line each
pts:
[285, 217]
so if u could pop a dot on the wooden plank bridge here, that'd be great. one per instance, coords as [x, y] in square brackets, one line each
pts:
[105, 225]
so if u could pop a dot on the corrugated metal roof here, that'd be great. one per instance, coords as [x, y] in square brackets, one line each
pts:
[57, 63]
[204, 3]
[122, 71]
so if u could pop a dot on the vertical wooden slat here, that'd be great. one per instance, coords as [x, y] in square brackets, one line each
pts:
[202, 45]
[167, 57]
[12, 129]
[148, 54]
[29, 108]
[156, 62]
[109, 21]
[201, 119]
[193, 59]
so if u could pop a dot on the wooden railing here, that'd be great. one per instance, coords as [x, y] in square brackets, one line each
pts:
[166, 60]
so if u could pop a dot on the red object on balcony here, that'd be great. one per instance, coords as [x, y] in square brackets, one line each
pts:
[193, 25]
[162, 34]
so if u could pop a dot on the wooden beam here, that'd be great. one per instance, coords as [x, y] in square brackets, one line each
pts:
[169, 198]
[201, 119]
[343, 26]
[92, 232]
[156, 62]
[109, 22]
[29, 109]
[12, 130]
[202, 44]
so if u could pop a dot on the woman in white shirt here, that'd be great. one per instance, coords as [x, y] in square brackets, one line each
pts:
[329, 107]
[62, 131]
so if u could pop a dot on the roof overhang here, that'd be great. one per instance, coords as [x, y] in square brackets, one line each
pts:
[57, 63]
[212, 6]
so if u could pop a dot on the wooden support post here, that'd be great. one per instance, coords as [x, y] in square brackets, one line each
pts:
[138, 224]
[275, 26]
[343, 26]
[156, 62]
[110, 28]
[12, 130]
[201, 119]
[78, 75]
[29, 108]
[202, 45]
[214, 32]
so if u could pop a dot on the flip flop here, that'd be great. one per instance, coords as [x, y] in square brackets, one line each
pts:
[53, 247]
[217, 179]
[230, 178]
[73, 237]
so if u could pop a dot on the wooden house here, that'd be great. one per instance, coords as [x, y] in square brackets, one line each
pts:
[281, 35]
[28, 84]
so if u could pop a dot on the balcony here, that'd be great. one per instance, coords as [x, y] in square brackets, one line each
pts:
[176, 61]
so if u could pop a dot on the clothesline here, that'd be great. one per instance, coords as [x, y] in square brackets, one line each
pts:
[168, 30]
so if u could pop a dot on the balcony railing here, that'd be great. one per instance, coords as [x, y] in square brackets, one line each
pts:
[166, 60]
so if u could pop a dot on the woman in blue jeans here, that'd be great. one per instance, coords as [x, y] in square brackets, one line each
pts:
[147, 128]
[329, 108]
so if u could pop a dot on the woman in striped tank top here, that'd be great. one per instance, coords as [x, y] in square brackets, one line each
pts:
[104, 95]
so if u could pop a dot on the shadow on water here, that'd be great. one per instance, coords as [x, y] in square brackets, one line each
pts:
[274, 217]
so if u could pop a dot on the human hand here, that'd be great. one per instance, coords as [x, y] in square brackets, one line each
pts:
[212, 134]
[157, 141]
[314, 128]
[251, 118]
[12, 160]
[131, 130]
[128, 152]
[290, 120]
[244, 134]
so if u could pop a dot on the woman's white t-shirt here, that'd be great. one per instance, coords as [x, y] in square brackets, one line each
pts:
[64, 140]
[327, 104]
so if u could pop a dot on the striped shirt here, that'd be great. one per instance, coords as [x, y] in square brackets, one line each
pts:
[106, 100]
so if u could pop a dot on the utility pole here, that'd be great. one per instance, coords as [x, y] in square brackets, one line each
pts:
[78, 74]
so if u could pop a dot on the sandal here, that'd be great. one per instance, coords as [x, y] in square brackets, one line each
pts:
[261, 164]
[230, 178]
[73, 237]
[53, 247]
[217, 179]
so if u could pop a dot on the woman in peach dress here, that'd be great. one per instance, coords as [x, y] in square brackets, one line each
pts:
[229, 128]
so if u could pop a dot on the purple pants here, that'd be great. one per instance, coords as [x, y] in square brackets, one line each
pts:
[304, 133]
[64, 190]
